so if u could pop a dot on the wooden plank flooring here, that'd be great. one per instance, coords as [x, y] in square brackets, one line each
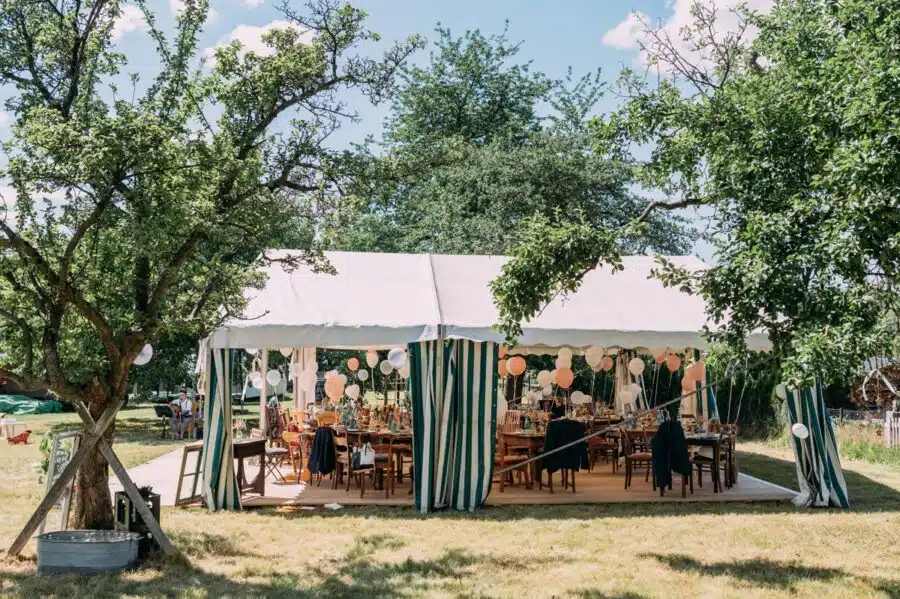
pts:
[600, 486]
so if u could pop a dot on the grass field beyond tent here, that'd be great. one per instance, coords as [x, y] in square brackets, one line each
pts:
[625, 551]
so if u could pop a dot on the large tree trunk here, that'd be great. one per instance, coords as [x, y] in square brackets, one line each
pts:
[93, 505]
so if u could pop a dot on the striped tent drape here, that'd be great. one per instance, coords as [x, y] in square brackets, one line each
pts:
[453, 387]
[219, 485]
[707, 406]
[819, 472]
[623, 381]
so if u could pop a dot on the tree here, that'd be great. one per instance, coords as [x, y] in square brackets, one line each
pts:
[137, 215]
[790, 142]
[467, 157]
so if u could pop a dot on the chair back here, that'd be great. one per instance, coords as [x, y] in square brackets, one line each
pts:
[635, 441]
[291, 438]
[326, 418]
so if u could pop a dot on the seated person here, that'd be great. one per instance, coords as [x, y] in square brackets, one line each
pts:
[181, 414]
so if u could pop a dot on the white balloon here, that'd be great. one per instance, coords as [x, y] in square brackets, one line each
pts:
[386, 368]
[286, 352]
[145, 355]
[256, 380]
[362, 375]
[800, 431]
[343, 378]
[372, 358]
[576, 397]
[544, 378]
[781, 391]
[565, 352]
[331, 373]
[397, 357]
[547, 391]
[251, 350]
[352, 392]
[404, 370]
[563, 362]
[636, 391]
[502, 407]
[273, 377]
[636, 366]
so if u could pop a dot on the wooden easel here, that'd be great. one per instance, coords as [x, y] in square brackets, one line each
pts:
[197, 450]
[92, 437]
[52, 475]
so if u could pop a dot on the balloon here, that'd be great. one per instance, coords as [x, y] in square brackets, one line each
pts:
[687, 385]
[145, 355]
[352, 392]
[353, 364]
[343, 378]
[312, 366]
[273, 377]
[331, 374]
[397, 357]
[307, 379]
[256, 380]
[565, 352]
[636, 391]
[577, 397]
[673, 362]
[688, 375]
[564, 377]
[502, 407]
[404, 370]
[636, 366]
[334, 389]
[544, 378]
[563, 362]
[781, 391]
[594, 353]
[700, 373]
[501, 353]
[372, 358]
[516, 365]
[606, 363]
[386, 368]
[363, 375]
[547, 391]
[286, 352]
[659, 354]
[251, 350]
[501, 368]
[800, 430]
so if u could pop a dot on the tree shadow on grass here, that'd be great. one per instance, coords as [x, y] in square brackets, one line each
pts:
[359, 573]
[763, 572]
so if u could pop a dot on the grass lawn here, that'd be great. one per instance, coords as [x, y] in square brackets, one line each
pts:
[623, 551]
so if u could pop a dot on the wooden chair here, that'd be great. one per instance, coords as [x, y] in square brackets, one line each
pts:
[714, 464]
[326, 418]
[505, 457]
[384, 463]
[732, 430]
[604, 447]
[295, 451]
[637, 453]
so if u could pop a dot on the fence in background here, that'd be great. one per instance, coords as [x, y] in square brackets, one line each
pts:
[892, 426]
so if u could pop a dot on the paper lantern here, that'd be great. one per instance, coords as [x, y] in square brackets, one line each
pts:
[606, 363]
[353, 364]
[516, 365]
[501, 368]
[673, 362]
[397, 357]
[501, 353]
[781, 391]
[352, 392]
[372, 358]
[547, 391]
[273, 377]
[636, 366]
[564, 377]
[544, 378]
[286, 352]
[502, 407]
[404, 370]
[385, 367]
[363, 375]
[563, 362]
[145, 355]
[565, 352]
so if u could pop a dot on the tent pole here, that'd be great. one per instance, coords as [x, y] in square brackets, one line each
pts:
[263, 392]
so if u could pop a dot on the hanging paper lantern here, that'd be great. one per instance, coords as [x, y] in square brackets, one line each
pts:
[563, 362]
[544, 378]
[501, 353]
[565, 352]
[353, 364]
[286, 352]
[397, 357]
[516, 365]
[145, 355]
[501, 368]
[636, 366]
[352, 392]
[404, 370]
[372, 358]
[606, 363]
[273, 377]
[363, 375]
[564, 377]
[673, 362]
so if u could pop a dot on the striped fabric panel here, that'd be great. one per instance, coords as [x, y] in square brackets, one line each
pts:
[219, 485]
[707, 405]
[819, 471]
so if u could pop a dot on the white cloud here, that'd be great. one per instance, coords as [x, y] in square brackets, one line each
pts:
[176, 6]
[252, 3]
[250, 37]
[131, 19]
[626, 34]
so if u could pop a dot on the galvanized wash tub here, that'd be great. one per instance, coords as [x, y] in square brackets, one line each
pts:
[86, 551]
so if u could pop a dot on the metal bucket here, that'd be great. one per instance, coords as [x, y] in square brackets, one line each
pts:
[86, 551]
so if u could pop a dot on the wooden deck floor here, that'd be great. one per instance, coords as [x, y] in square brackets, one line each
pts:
[599, 486]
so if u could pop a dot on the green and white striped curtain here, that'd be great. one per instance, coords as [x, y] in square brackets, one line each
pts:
[219, 485]
[453, 386]
[707, 406]
[819, 472]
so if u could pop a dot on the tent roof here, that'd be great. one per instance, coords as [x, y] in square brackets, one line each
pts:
[382, 300]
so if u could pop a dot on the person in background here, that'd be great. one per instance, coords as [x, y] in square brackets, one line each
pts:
[181, 414]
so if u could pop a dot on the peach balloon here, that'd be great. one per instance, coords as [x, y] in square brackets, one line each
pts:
[353, 364]
[564, 377]
[501, 368]
[673, 362]
[606, 363]
[687, 385]
[660, 358]
[502, 351]
[516, 365]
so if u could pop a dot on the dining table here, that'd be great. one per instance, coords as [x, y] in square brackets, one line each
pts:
[399, 444]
